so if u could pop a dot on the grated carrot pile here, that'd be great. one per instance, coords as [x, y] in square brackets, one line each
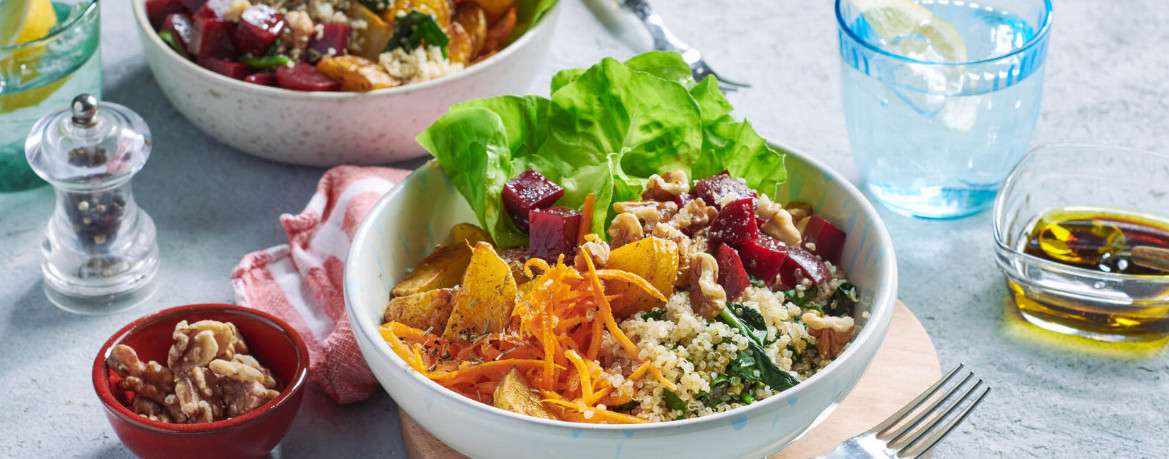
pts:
[554, 340]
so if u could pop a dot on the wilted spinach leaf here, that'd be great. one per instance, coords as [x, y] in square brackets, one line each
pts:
[415, 28]
[842, 301]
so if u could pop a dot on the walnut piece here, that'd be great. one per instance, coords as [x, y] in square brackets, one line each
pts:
[597, 250]
[625, 229]
[649, 213]
[695, 215]
[707, 298]
[832, 333]
[666, 186]
[209, 376]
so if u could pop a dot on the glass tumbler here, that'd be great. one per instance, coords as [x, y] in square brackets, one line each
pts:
[940, 97]
[1117, 190]
[43, 75]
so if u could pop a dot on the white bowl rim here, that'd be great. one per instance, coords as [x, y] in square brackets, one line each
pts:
[883, 306]
[272, 91]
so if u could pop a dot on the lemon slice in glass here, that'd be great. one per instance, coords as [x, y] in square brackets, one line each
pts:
[22, 21]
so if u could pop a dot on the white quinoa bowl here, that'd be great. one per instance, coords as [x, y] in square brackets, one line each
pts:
[331, 128]
[414, 217]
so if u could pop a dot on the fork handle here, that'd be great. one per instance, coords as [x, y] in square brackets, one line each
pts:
[664, 40]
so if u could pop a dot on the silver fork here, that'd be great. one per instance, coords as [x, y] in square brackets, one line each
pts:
[908, 441]
[664, 40]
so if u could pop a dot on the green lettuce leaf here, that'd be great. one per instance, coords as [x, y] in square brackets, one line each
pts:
[605, 130]
[528, 14]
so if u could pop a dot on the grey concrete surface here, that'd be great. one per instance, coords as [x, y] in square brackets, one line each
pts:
[1105, 83]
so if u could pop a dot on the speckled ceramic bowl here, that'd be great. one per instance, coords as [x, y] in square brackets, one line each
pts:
[331, 128]
[410, 220]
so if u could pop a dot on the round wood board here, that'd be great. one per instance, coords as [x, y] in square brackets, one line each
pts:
[905, 365]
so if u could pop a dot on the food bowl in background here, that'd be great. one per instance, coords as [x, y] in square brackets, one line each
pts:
[270, 340]
[331, 128]
[401, 230]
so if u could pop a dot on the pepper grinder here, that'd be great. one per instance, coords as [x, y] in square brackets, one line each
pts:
[100, 250]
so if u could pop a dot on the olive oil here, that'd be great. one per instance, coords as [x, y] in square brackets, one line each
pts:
[1117, 299]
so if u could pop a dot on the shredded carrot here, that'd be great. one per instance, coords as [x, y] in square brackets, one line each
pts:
[586, 220]
[582, 370]
[631, 278]
[606, 312]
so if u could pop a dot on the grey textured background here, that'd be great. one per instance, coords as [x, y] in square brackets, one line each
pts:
[1053, 397]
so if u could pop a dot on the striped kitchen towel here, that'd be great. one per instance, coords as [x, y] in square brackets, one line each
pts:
[301, 281]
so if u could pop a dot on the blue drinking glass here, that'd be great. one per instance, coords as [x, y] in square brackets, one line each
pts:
[940, 97]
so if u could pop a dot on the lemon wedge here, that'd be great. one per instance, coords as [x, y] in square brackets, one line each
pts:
[910, 30]
[22, 21]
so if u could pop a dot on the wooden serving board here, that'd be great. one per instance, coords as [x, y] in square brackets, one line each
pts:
[905, 365]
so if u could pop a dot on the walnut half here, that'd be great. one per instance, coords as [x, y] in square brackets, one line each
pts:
[832, 333]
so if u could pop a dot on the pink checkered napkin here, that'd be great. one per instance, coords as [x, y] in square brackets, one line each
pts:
[301, 282]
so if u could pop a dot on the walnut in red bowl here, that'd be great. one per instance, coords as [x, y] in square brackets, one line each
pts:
[202, 380]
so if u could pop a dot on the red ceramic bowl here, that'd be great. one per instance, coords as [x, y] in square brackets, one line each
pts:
[270, 340]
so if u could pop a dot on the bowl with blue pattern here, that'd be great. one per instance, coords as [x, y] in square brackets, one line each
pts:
[415, 216]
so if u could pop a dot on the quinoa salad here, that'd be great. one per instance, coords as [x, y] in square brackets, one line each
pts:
[340, 45]
[700, 297]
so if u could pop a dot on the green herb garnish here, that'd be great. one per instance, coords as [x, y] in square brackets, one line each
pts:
[626, 407]
[169, 39]
[265, 62]
[654, 314]
[757, 282]
[841, 303]
[674, 403]
[793, 295]
[416, 28]
[755, 358]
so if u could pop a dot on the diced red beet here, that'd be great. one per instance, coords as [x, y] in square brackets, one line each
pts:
[731, 274]
[258, 27]
[735, 223]
[158, 10]
[714, 188]
[304, 77]
[553, 232]
[682, 199]
[263, 79]
[192, 5]
[180, 27]
[801, 263]
[213, 9]
[212, 38]
[332, 36]
[528, 191]
[764, 257]
[827, 239]
[225, 67]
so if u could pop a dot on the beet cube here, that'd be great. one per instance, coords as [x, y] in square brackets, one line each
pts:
[553, 232]
[230, 69]
[731, 274]
[180, 28]
[304, 77]
[827, 239]
[158, 10]
[764, 257]
[526, 192]
[213, 9]
[330, 42]
[735, 223]
[212, 38]
[713, 189]
[258, 27]
[262, 79]
[801, 264]
[192, 5]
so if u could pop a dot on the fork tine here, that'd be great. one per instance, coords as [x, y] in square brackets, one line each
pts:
[925, 444]
[913, 404]
[896, 434]
[727, 88]
[931, 417]
[725, 81]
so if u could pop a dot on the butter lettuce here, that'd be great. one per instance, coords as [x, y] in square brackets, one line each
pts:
[605, 130]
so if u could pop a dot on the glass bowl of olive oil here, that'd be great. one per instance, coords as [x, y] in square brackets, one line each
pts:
[1082, 236]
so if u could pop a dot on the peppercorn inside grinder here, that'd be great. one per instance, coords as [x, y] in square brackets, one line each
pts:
[100, 250]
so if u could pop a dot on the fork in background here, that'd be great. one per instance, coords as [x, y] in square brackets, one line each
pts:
[664, 40]
[907, 440]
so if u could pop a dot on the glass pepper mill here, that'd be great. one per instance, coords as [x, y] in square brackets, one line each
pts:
[100, 250]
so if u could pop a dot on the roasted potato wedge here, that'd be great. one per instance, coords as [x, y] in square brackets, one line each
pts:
[472, 17]
[427, 310]
[468, 233]
[459, 49]
[443, 268]
[356, 73]
[487, 296]
[652, 258]
[514, 394]
[370, 41]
